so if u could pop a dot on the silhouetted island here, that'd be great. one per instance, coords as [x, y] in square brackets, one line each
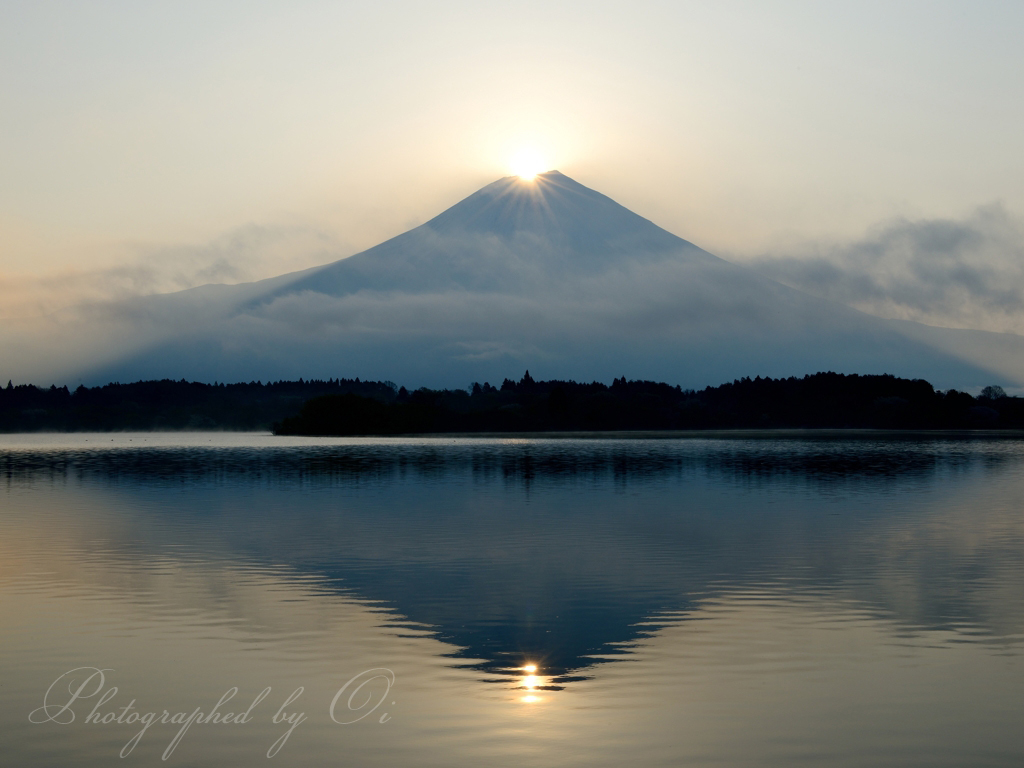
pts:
[822, 400]
[354, 407]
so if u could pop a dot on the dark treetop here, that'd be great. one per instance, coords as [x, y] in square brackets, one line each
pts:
[824, 400]
[354, 407]
[168, 405]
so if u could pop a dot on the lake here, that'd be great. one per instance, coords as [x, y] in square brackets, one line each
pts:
[771, 599]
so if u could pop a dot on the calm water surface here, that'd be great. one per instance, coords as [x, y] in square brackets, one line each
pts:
[770, 601]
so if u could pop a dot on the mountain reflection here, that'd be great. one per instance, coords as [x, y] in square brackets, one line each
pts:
[564, 553]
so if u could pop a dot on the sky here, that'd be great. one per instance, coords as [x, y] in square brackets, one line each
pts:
[837, 147]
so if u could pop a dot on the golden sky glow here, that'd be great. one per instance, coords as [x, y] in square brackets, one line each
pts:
[527, 163]
[140, 141]
[131, 123]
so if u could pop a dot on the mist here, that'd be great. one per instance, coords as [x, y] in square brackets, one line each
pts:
[956, 273]
[549, 276]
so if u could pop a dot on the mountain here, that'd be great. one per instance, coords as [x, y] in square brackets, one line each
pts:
[511, 236]
[547, 275]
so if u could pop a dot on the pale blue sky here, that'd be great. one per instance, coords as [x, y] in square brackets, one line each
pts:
[131, 128]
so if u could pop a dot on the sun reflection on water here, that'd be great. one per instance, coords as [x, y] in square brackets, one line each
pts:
[530, 683]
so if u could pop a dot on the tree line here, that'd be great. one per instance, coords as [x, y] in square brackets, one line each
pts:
[822, 400]
[168, 405]
[354, 407]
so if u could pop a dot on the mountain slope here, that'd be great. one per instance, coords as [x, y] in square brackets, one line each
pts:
[509, 236]
[547, 275]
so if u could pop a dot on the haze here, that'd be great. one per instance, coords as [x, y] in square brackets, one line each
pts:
[862, 152]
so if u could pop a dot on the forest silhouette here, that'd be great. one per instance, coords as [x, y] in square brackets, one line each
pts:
[823, 400]
[352, 407]
[355, 407]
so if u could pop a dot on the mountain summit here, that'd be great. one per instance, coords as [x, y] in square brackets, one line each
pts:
[544, 274]
[555, 207]
[508, 236]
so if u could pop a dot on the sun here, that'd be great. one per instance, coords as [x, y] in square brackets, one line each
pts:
[527, 163]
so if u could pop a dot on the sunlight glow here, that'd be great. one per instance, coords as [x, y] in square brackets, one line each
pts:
[530, 683]
[527, 163]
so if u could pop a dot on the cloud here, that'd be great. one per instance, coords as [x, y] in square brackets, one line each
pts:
[242, 255]
[71, 319]
[441, 310]
[966, 273]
